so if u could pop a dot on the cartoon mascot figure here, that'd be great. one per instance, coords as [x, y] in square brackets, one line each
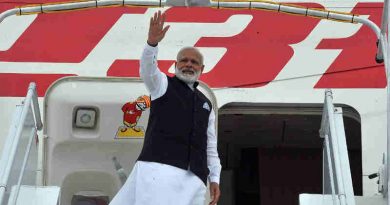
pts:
[132, 112]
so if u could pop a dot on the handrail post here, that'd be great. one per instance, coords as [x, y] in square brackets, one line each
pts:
[35, 104]
[13, 139]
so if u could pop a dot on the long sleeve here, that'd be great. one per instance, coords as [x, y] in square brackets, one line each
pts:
[213, 161]
[155, 80]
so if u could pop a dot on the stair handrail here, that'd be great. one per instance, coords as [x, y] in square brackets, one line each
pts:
[12, 141]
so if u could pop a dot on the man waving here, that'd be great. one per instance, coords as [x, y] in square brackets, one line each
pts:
[180, 148]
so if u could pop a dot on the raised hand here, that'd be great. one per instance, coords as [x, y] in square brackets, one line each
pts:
[156, 28]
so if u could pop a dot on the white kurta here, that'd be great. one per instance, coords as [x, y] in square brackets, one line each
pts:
[152, 183]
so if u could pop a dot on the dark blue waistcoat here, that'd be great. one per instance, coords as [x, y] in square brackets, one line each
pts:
[177, 129]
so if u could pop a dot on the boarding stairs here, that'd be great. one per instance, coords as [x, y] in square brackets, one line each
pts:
[20, 165]
[337, 180]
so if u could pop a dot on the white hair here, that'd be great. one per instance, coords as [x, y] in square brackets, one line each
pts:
[191, 48]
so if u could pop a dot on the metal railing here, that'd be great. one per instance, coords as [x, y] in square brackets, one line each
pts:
[18, 163]
[337, 180]
[218, 4]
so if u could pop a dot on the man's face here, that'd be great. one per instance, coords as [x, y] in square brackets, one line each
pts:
[189, 66]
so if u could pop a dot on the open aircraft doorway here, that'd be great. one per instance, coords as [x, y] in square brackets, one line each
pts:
[270, 153]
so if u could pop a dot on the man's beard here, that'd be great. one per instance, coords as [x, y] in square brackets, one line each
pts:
[186, 77]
